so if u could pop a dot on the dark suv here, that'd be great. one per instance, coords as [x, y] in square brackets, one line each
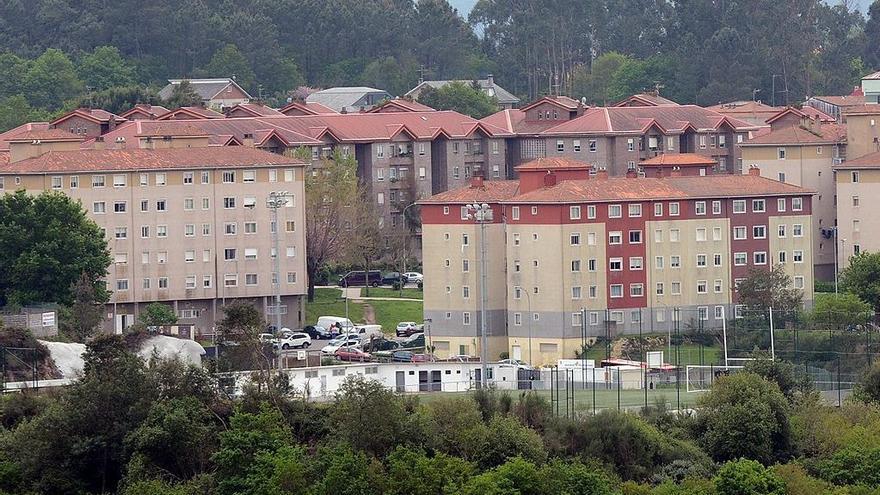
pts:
[361, 278]
[392, 277]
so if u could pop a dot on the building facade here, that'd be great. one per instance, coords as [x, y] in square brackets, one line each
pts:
[628, 251]
[188, 227]
[857, 203]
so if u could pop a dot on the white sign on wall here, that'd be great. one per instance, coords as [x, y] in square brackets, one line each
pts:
[49, 319]
[655, 359]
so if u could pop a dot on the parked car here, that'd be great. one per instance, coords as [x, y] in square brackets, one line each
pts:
[414, 341]
[422, 358]
[413, 276]
[317, 332]
[361, 278]
[266, 338]
[402, 357]
[406, 328]
[352, 354]
[514, 363]
[335, 324]
[284, 333]
[344, 341]
[462, 358]
[392, 277]
[294, 341]
[376, 345]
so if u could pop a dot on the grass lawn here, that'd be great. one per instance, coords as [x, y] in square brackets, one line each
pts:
[390, 313]
[328, 302]
[386, 292]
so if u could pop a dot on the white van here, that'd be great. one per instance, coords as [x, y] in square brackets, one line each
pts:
[327, 322]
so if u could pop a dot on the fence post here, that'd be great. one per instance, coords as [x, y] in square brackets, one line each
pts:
[594, 391]
[839, 401]
[619, 378]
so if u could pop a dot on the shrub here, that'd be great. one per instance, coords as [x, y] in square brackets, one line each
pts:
[747, 477]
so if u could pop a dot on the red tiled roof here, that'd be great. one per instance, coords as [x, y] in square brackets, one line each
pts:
[797, 134]
[554, 163]
[672, 118]
[514, 120]
[492, 191]
[4, 158]
[45, 135]
[142, 159]
[151, 110]
[806, 111]
[869, 109]
[402, 104]
[192, 112]
[560, 101]
[871, 160]
[93, 114]
[842, 101]
[648, 189]
[307, 107]
[740, 107]
[167, 128]
[227, 128]
[254, 110]
[678, 160]
[647, 99]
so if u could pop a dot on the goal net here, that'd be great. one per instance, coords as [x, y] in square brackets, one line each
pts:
[700, 378]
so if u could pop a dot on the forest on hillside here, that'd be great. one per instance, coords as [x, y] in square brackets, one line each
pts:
[55, 53]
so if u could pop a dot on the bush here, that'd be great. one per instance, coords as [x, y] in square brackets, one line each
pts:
[747, 477]
[868, 388]
[396, 285]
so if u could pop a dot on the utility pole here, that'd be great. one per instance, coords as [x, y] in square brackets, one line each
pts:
[481, 214]
[276, 200]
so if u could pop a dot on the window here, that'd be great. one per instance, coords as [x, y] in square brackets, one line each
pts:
[188, 204]
[593, 146]
[855, 176]
[799, 282]
[161, 205]
[670, 143]
[206, 203]
[98, 181]
[781, 257]
[161, 178]
[119, 207]
[466, 318]
[250, 253]
[797, 256]
[120, 233]
[534, 210]
[630, 145]
[615, 237]
[229, 203]
[739, 233]
[189, 230]
[120, 258]
[57, 182]
[574, 239]
[291, 251]
[716, 233]
[228, 177]
[797, 204]
[616, 290]
[516, 239]
[674, 235]
[99, 207]
[781, 231]
[206, 177]
[700, 207]
[701, 261]
[591, 264]
[229, 228]
[251, 202]
[615, 264]
[659, 288]
[162, 257]
[673, 209]
[574, 212]
[575, 265]
[465, 239]
[229, 254]
[759, 206]
[189, 256]
[145, 231]
[780, 153]
[614, 211]
[635, 236]
[161, 231]
[675, 288]
[739, 259]
[722, 140]
[675, 261]
[560, 145]
[423, 173]
[230, 280]
[206, 229]
[658, 262]
[74, 182]
[797, 230]
[716, 259]
[780, 205]
[635, 210]
[716, 207]
[759, 232]
[635, 263]
[290, 226]
[122, 284]
[591, 211]
[760, 258]
[701, 235]
[206, 255]
[702, 141]
[636, 290]
[576, 145]
[118, 181]
[658, 209]
[250, 227]
[702, 287]
[575, 292]
[249, 176]
[718, 286]
[739, 206]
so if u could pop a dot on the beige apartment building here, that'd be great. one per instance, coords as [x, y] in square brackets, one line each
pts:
[186, 226]
[802, 151]
[858, 181]
[863, 129]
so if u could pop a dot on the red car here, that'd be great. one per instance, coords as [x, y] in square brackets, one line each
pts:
[352, 354]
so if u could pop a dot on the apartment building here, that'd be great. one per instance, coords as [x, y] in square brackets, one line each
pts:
[618, 138]
[857, 203]
[628, 250]
[186, 226]
[863, 130]
[802, 151]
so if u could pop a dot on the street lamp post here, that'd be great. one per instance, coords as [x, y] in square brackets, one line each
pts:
[276, 200]
[529, 303]
[405, 235]
[481, 214]
[835, 260]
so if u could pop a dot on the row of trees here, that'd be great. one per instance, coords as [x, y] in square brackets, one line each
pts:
[160, 427]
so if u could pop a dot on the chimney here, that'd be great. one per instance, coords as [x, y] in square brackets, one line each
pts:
[549, 179]
[632, 173]
[602, 174]
[477, 180]
[676, 172]
[99, 143]
[248, 140]
[754, 170]
[490, 80]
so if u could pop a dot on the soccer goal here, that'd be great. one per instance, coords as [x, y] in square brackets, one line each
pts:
[699, 378]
